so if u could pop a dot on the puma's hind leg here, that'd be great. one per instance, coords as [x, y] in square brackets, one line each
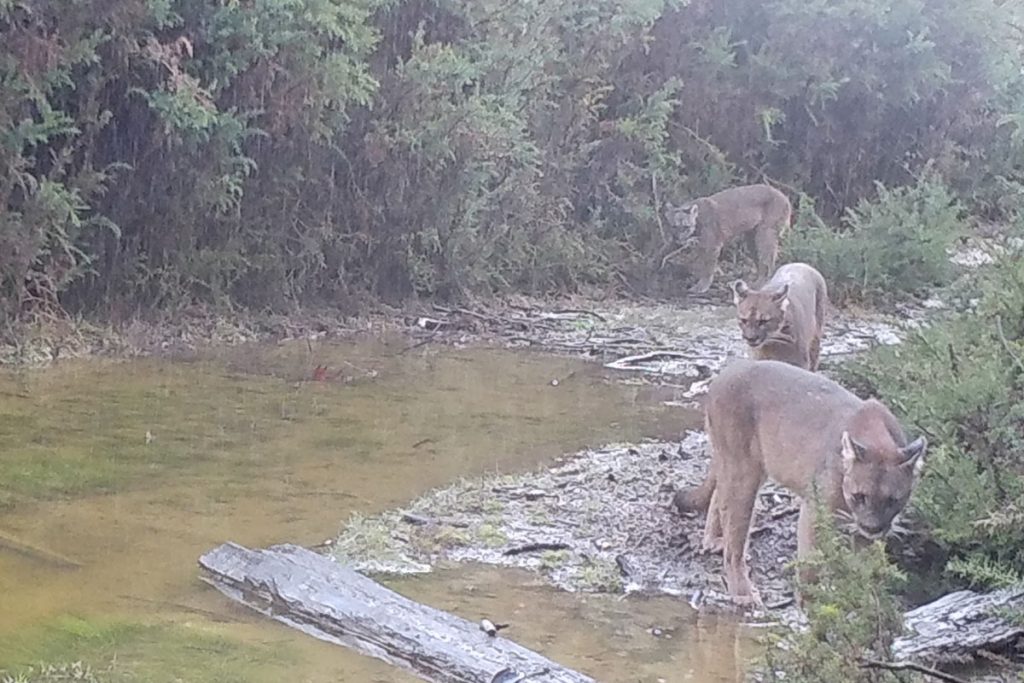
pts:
[713, 540]
[815, 353]
[766, 246]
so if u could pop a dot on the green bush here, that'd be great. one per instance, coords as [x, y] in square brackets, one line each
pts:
[897, 244]
[851, 612]
[280, 151]
[961, 381]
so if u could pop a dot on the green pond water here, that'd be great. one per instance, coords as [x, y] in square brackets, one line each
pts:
[116, 476]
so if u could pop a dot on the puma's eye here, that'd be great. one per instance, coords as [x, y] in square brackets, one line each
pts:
[892, 502]
[762, 321]
[859, 499]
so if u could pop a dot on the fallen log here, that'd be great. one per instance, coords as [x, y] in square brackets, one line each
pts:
[956, 627]
[327, 600]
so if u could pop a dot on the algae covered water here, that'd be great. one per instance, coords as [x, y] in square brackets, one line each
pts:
[116, 476]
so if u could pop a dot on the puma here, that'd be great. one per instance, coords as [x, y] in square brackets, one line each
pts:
[808, 434]
[784, 319]
[759, 211]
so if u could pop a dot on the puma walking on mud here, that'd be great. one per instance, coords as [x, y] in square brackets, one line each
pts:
[807, 433]
[758, 211]
[784, 319]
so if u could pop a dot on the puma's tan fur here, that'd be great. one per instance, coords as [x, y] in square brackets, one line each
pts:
[759, 211]
[784, 319]
[807, 433]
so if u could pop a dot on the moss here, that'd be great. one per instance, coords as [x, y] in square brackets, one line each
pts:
[450, 537]
[366, 539]
[539, 516]
[492, 506]
[553, 559]
[132, 651]
[601, 576]
[491, 536]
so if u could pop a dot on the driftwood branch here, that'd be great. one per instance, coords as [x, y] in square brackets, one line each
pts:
[327, 600]
[628, 362]
[911, 666]
[536, 547]
[957, 626]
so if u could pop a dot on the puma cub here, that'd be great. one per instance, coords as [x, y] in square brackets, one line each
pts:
[759, 211]
[766, 418]
[784, 319]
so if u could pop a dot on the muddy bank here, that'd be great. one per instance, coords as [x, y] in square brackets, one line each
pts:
[681, 344]
[176, 335]
[696, 333]
[697, 330]
[601, 519]
[596, 520]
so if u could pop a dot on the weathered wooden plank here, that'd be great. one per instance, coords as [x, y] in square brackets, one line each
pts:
[956, 626]
[334, 603]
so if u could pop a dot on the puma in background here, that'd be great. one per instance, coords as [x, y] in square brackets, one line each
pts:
[758, 211]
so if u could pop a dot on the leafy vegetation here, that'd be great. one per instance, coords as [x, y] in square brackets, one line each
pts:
[853, 616]
[896, 244]
[52, 673]
[283, 151]
[962, 382]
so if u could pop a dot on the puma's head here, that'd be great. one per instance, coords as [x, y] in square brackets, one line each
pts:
[877, 482]
[761, 313]
[683, 219]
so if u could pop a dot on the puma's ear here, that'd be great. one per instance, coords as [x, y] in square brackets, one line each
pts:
[740, 289]
[781, 293]
[913, 454]
[852, 451]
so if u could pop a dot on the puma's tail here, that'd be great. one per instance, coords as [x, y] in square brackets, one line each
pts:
[697, 498]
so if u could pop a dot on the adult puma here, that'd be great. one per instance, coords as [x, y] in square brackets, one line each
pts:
[783, 320]
[759, 211]
[767, 418]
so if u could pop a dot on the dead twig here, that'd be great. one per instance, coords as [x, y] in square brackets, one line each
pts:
[535, 547]
[1006, 344]
[580, 311]
[657, 207]
[415, 520]
[422, 342]
[911, 666]
[784, 512]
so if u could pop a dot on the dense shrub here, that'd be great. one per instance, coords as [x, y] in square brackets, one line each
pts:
[898, 243]
[280, 150]
[962, 383]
